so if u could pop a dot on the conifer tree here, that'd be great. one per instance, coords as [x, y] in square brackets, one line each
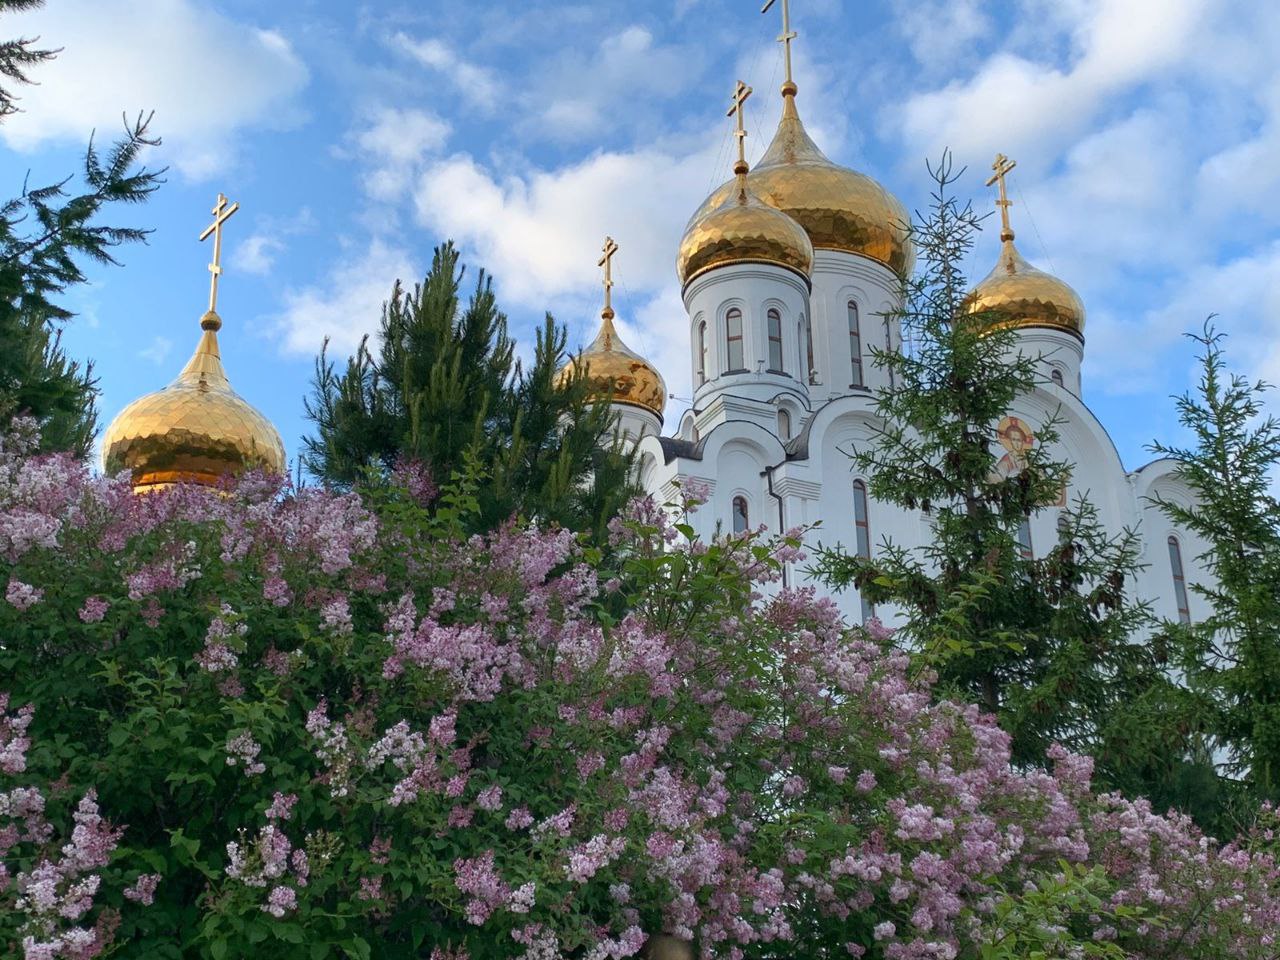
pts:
[1047, 643]
[446, 390]
[45, 235]
[1231, 660]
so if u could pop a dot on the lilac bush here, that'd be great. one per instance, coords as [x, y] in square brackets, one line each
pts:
[329, 727]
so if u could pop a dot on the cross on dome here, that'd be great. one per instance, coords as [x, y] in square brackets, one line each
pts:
[221, 214]
[606, 261]
[785, 39]
[740, 95]
[1002, 167]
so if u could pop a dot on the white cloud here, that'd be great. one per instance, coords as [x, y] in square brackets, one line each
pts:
[205, 76]
[347, 304]
[540, 232]
[1110, 213]
[1027, 106]
[628, 67]
[257, 254]
[477, 84]
[395, 143]
[940, 32]
[158, 351]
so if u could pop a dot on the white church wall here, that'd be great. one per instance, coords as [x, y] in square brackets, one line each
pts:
[1159, 480]
[839, 278]
[754, 289]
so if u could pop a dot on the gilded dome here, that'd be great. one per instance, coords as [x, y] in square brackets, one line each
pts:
[617, 372]
[1016, 294]
[840, 209]
[743, 230]
[196, 430]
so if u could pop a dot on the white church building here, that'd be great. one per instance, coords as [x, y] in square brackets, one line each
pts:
[789, 275]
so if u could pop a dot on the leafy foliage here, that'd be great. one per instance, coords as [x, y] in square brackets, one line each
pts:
[1048, 643]
[446, 389]
[315, 725]
[1231, 660]
[46, 233]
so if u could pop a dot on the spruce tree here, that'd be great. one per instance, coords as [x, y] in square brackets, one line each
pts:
[1048, 643]
[1231, 660]
[445, 389]
[45, 235]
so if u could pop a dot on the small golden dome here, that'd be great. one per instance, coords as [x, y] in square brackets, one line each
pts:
[196, 430]
[1016, 294]
[617, 372]
[743, 230]
[840, 209]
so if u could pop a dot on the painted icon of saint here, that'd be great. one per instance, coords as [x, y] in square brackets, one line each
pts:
[1016, 438]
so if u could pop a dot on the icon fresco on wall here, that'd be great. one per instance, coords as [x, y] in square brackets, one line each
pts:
[1017, 438]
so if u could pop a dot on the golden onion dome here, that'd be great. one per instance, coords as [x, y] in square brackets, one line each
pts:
[1016, 294]
[743, 230]
[840, 209]
[196, 430]
[617, 372]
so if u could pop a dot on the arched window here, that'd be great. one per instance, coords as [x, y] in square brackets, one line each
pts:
[1179, 581]
[784, 425]
[1024, 539]
[862, 535]
[702, 353]
[855, 347]
[808, 350]
[733, 340]
[741, 518]
[1056, 376]
[775, 340]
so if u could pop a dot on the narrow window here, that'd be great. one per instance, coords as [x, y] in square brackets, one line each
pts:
[808, 349]
[1056, 376]
[702, 353]
[862, 532]
[1024, 539]
[888, 345]
[855, 347]
[784, 425]
[733, 338]
[1179, 581]
[741, 519]
[775, 341]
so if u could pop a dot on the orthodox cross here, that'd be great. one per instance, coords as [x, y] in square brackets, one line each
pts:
[221, 214]
[606, 261]
[787, 34]
[1002, 167]
[740, 95]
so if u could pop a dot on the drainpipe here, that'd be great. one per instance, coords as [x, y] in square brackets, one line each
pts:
[767, 473]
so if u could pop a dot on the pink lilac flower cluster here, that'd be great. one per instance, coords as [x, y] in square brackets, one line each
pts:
[271, 860]
[242, 751]
[50, 900]
[689, 747]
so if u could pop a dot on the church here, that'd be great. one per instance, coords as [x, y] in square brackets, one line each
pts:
[790, 277]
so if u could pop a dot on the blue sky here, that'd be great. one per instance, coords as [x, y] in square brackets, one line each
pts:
[356, 136]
